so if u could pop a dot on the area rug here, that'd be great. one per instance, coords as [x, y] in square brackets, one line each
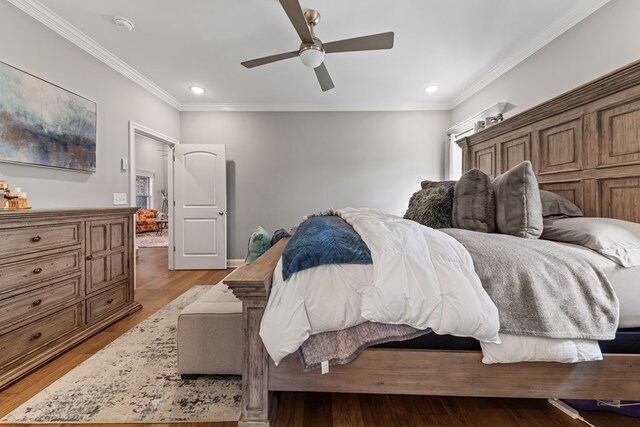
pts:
[135, 380]
[152, 240]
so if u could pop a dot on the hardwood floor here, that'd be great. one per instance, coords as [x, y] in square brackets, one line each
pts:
[157, 286]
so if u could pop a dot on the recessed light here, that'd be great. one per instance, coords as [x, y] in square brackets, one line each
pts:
[198, 90]
[431, 89]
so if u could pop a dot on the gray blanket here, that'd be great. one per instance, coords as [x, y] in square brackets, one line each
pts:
[340, 347]
[542, 288]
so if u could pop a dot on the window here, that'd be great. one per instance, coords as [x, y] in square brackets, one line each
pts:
[455, 159]
[473, 124]
[144, 198]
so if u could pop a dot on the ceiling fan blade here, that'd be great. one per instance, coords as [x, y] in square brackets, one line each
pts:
[294, 12]
[269, 59]
[372, 42]
[324, 78]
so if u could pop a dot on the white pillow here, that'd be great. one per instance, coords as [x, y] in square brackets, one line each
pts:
[612, 238]
[519, 348]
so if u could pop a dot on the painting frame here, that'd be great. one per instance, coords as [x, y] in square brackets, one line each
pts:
[83, 146]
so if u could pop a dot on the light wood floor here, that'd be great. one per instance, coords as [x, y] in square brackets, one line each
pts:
[157, 286]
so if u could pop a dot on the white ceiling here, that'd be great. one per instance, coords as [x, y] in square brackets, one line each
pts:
[460, 45]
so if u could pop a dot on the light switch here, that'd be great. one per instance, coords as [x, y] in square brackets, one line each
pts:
[119, 198]
[124, 164]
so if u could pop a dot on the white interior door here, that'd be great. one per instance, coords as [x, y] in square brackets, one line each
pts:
[201, 207]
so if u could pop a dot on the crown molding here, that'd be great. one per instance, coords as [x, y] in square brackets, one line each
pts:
[56, 23]
[309, 107]
[583, 9]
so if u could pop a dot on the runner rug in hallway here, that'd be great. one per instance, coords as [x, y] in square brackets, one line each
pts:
[152, 239]
[135, 380]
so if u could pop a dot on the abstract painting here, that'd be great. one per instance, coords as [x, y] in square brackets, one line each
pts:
[42, 124]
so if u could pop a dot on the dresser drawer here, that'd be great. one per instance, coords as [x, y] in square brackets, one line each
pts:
[107, 302]
[18, 241]
[25, 273]
[33, 336]
[38, 301]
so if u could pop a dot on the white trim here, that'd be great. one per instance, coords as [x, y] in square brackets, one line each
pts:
[138, 129]
[235, 263]
[576, 14]
[61, 26]
[307, 107]
[55, 22]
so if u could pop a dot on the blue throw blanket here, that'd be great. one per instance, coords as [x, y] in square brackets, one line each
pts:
[323, 240]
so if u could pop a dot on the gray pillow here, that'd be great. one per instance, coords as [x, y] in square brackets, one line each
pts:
[432, 206]
[556, 205]
[612, 238]
[474, 207]
[518, 205]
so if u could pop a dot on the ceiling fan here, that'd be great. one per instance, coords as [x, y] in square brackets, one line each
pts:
[312, 50]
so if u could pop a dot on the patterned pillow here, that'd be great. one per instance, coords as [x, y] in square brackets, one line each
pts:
[432, 206]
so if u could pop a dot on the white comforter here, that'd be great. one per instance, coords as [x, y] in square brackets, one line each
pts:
[420, 277]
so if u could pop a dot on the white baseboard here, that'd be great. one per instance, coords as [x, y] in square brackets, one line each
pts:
[235, 263]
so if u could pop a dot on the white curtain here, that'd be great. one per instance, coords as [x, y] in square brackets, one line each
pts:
[455, 159]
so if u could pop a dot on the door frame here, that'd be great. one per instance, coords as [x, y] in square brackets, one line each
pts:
[141, 130]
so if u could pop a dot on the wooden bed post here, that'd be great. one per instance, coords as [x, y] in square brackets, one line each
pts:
[252, 284]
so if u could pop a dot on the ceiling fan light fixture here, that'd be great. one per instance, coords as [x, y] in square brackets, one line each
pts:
[312, 56]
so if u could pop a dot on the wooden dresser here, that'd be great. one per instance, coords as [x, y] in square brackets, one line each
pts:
[65, 274]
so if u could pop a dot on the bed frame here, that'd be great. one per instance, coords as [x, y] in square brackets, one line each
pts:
[585, 146]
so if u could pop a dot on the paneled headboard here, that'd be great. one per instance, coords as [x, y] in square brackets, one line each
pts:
[584, 145]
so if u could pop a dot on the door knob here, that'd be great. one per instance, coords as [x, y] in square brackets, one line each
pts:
[221, 213]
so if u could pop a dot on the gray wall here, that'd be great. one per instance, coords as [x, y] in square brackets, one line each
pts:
[151, 157]
[30, 46]
[603, 42]
[282, 166]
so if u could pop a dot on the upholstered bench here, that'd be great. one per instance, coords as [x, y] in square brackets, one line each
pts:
[210, 335]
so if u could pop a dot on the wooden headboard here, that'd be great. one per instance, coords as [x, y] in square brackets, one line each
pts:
[584, 145]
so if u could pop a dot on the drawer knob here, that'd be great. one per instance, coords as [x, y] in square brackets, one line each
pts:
[36, 239]
[36, 336]
[110, 300]
[37, 302]
[37, 270]
[89, 257]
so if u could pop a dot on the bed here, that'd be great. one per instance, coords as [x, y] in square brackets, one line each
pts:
[584, 145]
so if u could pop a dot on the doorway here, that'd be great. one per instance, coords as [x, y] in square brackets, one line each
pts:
[151, 186]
